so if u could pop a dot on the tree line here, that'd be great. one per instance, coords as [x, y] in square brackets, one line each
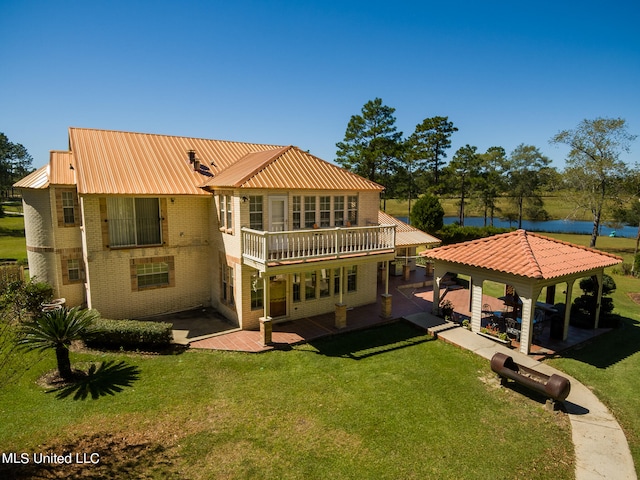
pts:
[595, 177]
[15, 163]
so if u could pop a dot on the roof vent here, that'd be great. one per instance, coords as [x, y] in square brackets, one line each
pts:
[196, 165]
[192, 156]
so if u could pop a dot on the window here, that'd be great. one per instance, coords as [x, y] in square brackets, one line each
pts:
[152, 274]
[309, 212]
[310, 279]
[257, 291]
[296, 287]
[227, 285]
[336, 281]
[352, 209]
[226, 212]
[133, 221]
[73, 269]
[352, 273]
[296, 209]
[324, 282]
[338, 211]
[255, 212]
[68, 208]
[325, 211]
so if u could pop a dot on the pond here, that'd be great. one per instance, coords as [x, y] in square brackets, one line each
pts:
[555, 226]
[552, 226]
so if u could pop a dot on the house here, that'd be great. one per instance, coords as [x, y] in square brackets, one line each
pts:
[135, 225]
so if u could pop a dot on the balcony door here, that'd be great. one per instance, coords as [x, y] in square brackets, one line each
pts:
[277, 213]
[278, 244]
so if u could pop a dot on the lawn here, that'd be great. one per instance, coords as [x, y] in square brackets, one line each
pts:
[386, 403]
[558, 207]
[12, 242]
[389, 403]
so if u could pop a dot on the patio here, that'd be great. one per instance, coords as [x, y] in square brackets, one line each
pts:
[412, 301]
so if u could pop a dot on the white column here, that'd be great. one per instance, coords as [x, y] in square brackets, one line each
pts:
[526, 328]
[266, 295]
[437, 276]
[386, 280]
[476, 302]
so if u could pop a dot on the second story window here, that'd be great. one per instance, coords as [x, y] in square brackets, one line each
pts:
[338, 211]
[309, 212]
[325, 211]
[352, 209]
[226, 212]
[255, 212]
[134, 221]
[68, 208]
[296, 211]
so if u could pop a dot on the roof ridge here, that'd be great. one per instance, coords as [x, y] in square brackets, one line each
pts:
[109, 130]
[524, 242]
[277, 154]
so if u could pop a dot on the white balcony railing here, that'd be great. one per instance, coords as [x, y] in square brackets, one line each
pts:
[299, 245]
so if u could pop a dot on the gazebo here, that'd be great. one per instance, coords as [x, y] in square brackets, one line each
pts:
[526, 261]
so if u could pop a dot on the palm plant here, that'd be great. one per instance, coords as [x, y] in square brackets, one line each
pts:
[56, 330]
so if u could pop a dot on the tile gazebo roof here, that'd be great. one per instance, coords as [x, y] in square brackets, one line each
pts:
[524, 254]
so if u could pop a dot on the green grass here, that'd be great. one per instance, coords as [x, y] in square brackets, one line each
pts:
[385, 403]
[558, 207]
[380, 404]
[12, 241]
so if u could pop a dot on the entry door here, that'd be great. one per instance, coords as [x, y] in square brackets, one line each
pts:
[278, 295]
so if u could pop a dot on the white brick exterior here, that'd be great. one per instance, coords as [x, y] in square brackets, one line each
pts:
[194, 245]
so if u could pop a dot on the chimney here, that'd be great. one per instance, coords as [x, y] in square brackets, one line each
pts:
[192, 156]
[196, 165]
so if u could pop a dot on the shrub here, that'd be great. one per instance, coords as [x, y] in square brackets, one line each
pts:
[130, 334]
[454, 233]
[427, 214]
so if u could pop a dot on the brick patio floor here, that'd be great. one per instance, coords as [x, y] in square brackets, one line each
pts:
[409, 298]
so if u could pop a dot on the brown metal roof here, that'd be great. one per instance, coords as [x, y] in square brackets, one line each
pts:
[125, 163]
[62, 168]
[36, 179]
[406, 235]
[113, 162]
[57, 172]
[289, 168]
[525, 254]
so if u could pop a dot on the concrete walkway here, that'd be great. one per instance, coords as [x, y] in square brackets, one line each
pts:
[601, 448]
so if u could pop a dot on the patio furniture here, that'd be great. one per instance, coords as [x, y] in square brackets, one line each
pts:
[513, 328]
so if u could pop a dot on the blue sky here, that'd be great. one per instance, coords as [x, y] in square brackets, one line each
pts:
[293, 72]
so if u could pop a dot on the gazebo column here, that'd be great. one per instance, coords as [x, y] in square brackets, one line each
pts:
[599, 297]
[476, 302]
[526, 327]
[438, 273]
[567, 309]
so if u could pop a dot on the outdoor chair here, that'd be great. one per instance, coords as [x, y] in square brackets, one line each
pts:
[513, 328]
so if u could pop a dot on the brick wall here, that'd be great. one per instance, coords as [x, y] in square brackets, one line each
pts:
[187, 241]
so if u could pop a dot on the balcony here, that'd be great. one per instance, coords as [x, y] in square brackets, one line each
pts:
[262, 249]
